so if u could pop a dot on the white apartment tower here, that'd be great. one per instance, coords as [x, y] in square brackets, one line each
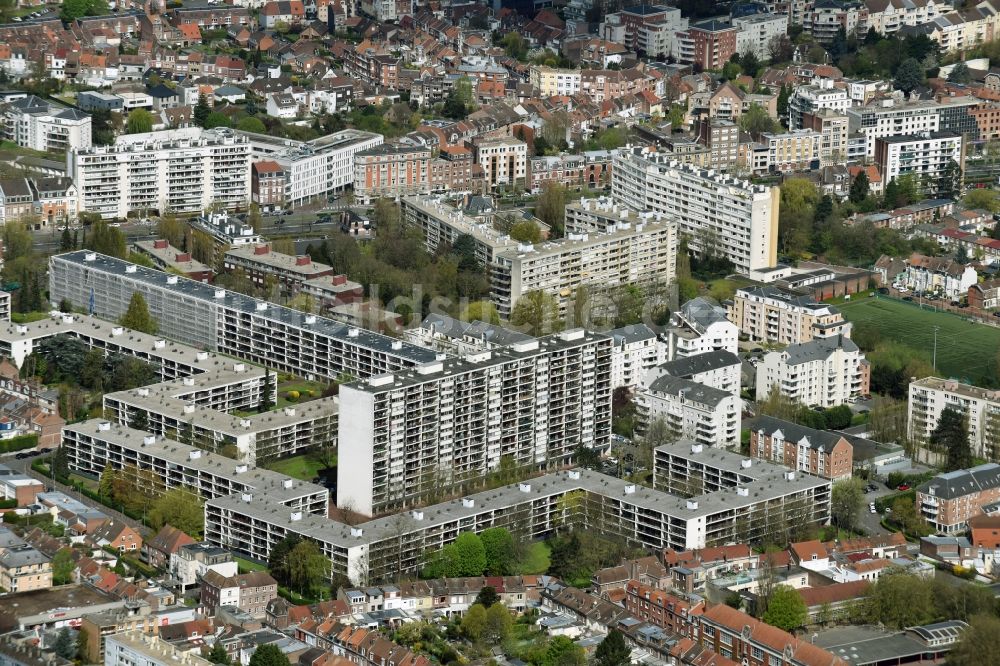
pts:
[184, 170]
[737, 218]
[415, 433]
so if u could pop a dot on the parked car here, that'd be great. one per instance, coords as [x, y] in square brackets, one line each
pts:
[903, 486]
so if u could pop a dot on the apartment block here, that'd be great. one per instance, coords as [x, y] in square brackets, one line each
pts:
[930, 396]
[135, 648]
[95, 445]
[446, 422]
[257, 331]
[504, 161]
[250, 592]
[700, 326]
[551, 81]
[442, 224]
[707, 44]
[703, 414]
[823, 372]
[770, 314]
[391, 171]
[797, 150]
[824, 19]
[167, 257]
[31, 122]
[566, 170]
[637, 350]
[819, 452]
[183, 170]
[935, 159]
[811, 99]
[885, 118]
[886, 17]
[640, 249]
[949, 500]
[260, 263]
[648, 29]
[734, 218]
[267, 185]
[833, 129]
[744, 498]
[756, 32]
[313, 169]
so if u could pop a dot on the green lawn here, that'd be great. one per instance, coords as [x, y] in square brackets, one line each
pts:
[965, 350]
[299, 467]
[248, 565]
[536, 559]
[303, 387]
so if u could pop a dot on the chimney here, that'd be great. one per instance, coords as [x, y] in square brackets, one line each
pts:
[303, 260]
[338, 280]
[182, 256]
[160, 244]
[261, 249]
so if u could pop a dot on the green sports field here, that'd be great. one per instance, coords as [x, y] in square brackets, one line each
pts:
[964, 350]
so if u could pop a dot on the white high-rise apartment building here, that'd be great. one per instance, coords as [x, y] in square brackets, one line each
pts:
[698, 327]
[885, 118]
[504, 160]
[183, 170]
[416, 433]
[134, 648]
[756, 32]
[810, 99]
[980, 407]
[717, 212]
[551, 81]
[927, 156]
[824, 372]
[34, 123]
[313, 169]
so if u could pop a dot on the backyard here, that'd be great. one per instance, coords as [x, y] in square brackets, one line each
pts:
[305, 467]
[965, 350]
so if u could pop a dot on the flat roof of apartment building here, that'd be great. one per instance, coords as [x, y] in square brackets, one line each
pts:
[263, 254]
[771, 483]
[168, 255]
[452, 366]
[484, 232]
[279, 487]
[577, 241]
[957, 387]
[258, 308]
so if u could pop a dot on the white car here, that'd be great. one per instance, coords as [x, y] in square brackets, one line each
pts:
[872, 509]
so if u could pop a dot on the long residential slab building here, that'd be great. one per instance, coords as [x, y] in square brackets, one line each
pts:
[203, 398]
[718, 213]
[607, 246]
[740, 499]
[225, 321]
[182, 170]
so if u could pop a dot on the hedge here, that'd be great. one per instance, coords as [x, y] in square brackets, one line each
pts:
[19, 443]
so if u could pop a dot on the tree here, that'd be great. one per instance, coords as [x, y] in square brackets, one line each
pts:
[201, 110]
[501, 553]
[909, 75]
[859, 188]
[515, 46]
[139, 121]
[459, 101]
[137, 316]
[562, 651]
[474, 622]
[499, 623]
[979, 645]
[269, 654]
[181, 508]
[846, 501]
[218, 655]
[526, 231]
[278, 563]
[984, 198]
[309, 569]
[468, 555]
[757, 121]
[951, 437]
[901, 600]
[613, 651]
[555, 129]
[481, 311]
[74, 9]
[786, 609]
[107, 240]
[960, 74]
[65, 645]
[487, 597]
[217, 119]
[536, 313]
[251, 124]
[783, 96]
[550, 207]
[63, 567]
